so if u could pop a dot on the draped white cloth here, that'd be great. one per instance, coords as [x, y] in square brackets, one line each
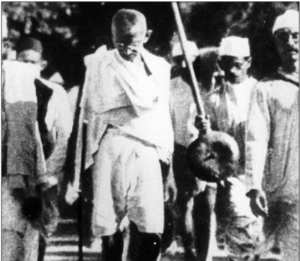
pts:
[21, 137]
[272, 144]
[228, 110]
[117, 93]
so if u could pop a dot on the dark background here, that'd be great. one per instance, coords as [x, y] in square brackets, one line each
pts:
[71, 30]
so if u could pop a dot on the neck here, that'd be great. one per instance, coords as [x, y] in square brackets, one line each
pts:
[289, 67]
[238, 83]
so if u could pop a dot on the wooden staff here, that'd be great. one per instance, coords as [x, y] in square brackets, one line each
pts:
[80, 199]
[183, 42]
[216, 142]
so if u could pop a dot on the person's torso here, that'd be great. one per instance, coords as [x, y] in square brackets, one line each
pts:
[229, 107]
[144, 112]
[282, 161]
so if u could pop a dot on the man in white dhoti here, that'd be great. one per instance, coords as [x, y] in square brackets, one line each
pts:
[272, 145]
[126, 102]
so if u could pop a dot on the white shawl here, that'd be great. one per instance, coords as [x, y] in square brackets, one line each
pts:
[117, 93]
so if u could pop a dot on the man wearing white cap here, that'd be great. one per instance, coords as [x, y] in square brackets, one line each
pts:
[178, 58]
[228, 105]
[227, 108]
[272, 142]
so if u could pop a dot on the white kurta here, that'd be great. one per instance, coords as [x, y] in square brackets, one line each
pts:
[273, 158]
[228, 109]
[272, 144]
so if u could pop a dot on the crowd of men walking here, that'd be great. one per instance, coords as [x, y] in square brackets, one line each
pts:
[140, 118]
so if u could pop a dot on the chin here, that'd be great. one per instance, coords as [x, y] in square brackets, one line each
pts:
[292, 57]
[129, 58]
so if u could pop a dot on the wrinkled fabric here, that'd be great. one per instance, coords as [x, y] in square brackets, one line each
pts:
[59, 122]
[228, 108]
[17, 247]
[134, 102]
[243, 242]
[19, 237]
[127, 180]
[22, 234]
[20, 115]
[282, 227]
[117, 93]
[242, 231]
[272, 144]
[273, 158]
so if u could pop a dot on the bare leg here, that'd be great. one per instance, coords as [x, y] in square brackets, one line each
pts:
[188, 233]
[204, 221]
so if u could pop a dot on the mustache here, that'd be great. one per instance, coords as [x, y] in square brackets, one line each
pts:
[292, 49]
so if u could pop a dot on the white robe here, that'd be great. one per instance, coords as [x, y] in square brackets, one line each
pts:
[135, 106]
[116, 93]
[228, 109]
[272, 144]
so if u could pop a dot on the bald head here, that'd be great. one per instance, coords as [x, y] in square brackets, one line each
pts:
[125, 19]
[129, 32]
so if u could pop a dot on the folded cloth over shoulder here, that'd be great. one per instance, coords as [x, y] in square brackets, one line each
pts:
[24, 155]
[134, 99]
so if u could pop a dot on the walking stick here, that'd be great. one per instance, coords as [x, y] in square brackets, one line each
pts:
[80, 199]
[183, 42]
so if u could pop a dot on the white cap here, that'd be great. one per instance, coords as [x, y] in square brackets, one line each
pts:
[235, 46]
[191, 47]
[290, 19]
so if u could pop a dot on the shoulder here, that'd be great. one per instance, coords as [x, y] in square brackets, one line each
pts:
[54, 86]
[59, 94]
[270, 83]
[156, 62]
[180, 88]
[252, 81]
[178, 82]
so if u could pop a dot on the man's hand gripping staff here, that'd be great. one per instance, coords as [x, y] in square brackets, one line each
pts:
[218, 146]
[258, 202]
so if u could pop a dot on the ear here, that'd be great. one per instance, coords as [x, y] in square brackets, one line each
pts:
[249, 60]
[148, 35]
[43, 64]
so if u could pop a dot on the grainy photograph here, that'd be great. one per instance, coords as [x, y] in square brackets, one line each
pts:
[150, 131]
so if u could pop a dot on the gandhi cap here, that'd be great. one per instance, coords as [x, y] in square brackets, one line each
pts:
[234, 46]
[191, 47]
[290, 19]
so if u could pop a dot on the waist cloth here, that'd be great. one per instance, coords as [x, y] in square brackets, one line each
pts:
[127, 180]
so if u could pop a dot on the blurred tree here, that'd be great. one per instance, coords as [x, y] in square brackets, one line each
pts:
[71, 30]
